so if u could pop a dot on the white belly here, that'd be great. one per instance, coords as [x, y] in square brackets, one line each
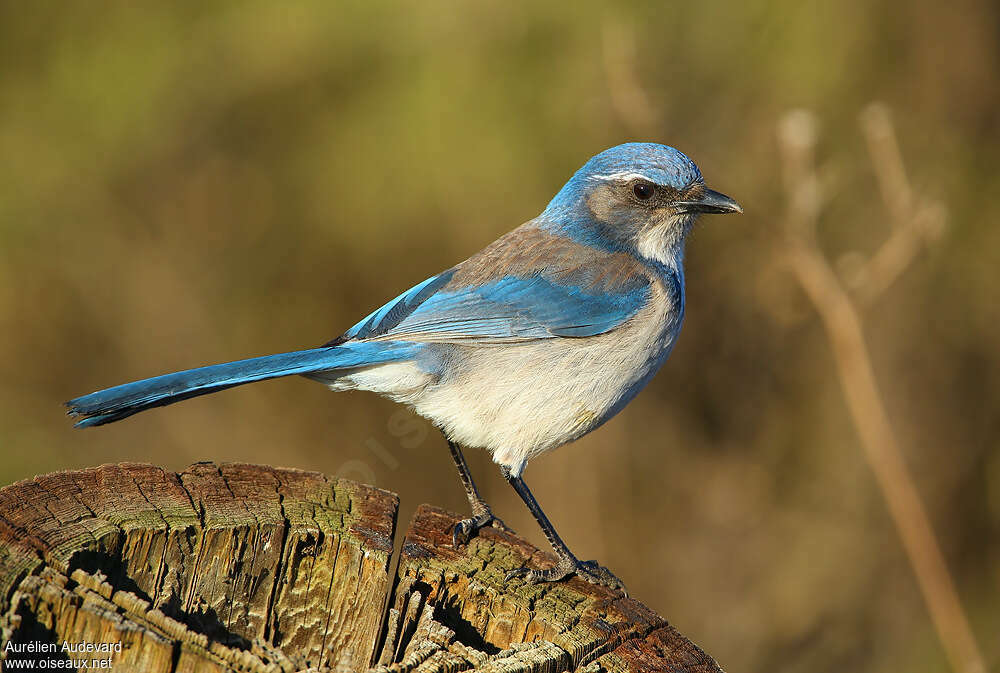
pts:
[521, 400]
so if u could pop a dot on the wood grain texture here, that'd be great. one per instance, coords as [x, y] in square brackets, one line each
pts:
[236, 567]
[562, 626]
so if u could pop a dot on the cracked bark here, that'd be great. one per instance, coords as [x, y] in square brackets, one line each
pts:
[237, 567]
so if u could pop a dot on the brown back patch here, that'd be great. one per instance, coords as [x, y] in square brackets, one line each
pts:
[528, 251]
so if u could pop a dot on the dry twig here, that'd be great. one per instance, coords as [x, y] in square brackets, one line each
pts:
[914, 221]
[843, 325]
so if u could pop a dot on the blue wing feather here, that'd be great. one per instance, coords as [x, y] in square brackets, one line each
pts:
[510, 309]
[378, 322]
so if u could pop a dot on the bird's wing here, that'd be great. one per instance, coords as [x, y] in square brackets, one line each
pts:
[509, 309]
[527, 285]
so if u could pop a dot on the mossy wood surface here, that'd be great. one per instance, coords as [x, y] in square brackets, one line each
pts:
[236, 567]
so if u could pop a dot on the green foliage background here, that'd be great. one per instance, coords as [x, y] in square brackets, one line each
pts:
[186, 183]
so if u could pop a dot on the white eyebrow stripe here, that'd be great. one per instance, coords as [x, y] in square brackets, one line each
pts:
[622, 175]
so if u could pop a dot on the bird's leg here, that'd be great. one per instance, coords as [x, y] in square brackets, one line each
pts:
[482, 515]
[568, 563]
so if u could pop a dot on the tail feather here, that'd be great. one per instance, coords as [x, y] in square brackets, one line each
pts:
[113, 404]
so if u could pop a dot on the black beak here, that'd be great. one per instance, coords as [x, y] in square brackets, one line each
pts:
[710, 202]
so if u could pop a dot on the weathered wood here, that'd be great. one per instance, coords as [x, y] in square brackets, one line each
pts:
[222, 561]
[237, 567]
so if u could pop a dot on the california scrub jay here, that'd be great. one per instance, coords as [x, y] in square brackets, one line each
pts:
[532, 342]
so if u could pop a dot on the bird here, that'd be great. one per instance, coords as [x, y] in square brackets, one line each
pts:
[534, 341]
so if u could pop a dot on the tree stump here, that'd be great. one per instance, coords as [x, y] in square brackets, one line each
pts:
[235, 567]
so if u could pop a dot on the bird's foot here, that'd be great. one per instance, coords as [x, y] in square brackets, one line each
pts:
[466, 529]
[590, 571]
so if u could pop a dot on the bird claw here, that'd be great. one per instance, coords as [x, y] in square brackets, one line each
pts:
[595, 573]
[532, 576]
[591, 571]
[466, 529]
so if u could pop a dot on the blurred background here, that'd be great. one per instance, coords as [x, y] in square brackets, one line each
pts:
[192, 183]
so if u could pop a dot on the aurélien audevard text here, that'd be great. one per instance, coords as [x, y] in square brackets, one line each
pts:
[78, 655]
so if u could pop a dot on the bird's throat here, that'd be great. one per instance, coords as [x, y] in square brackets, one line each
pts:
[663, 242]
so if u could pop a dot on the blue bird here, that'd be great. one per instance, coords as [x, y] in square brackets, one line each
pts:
[532, 342]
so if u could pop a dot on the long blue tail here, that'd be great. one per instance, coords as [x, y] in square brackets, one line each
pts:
[114, 404]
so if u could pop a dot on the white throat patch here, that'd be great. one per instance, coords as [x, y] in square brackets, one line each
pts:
[663, 243]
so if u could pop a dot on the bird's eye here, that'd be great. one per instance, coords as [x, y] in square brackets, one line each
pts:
[643, 190]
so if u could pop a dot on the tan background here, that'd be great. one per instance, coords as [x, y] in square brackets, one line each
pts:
[183, 185]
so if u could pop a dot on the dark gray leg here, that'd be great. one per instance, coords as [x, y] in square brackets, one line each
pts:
[568, 563]
[482, 516]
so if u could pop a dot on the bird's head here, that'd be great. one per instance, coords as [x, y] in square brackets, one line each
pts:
[644, 197]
